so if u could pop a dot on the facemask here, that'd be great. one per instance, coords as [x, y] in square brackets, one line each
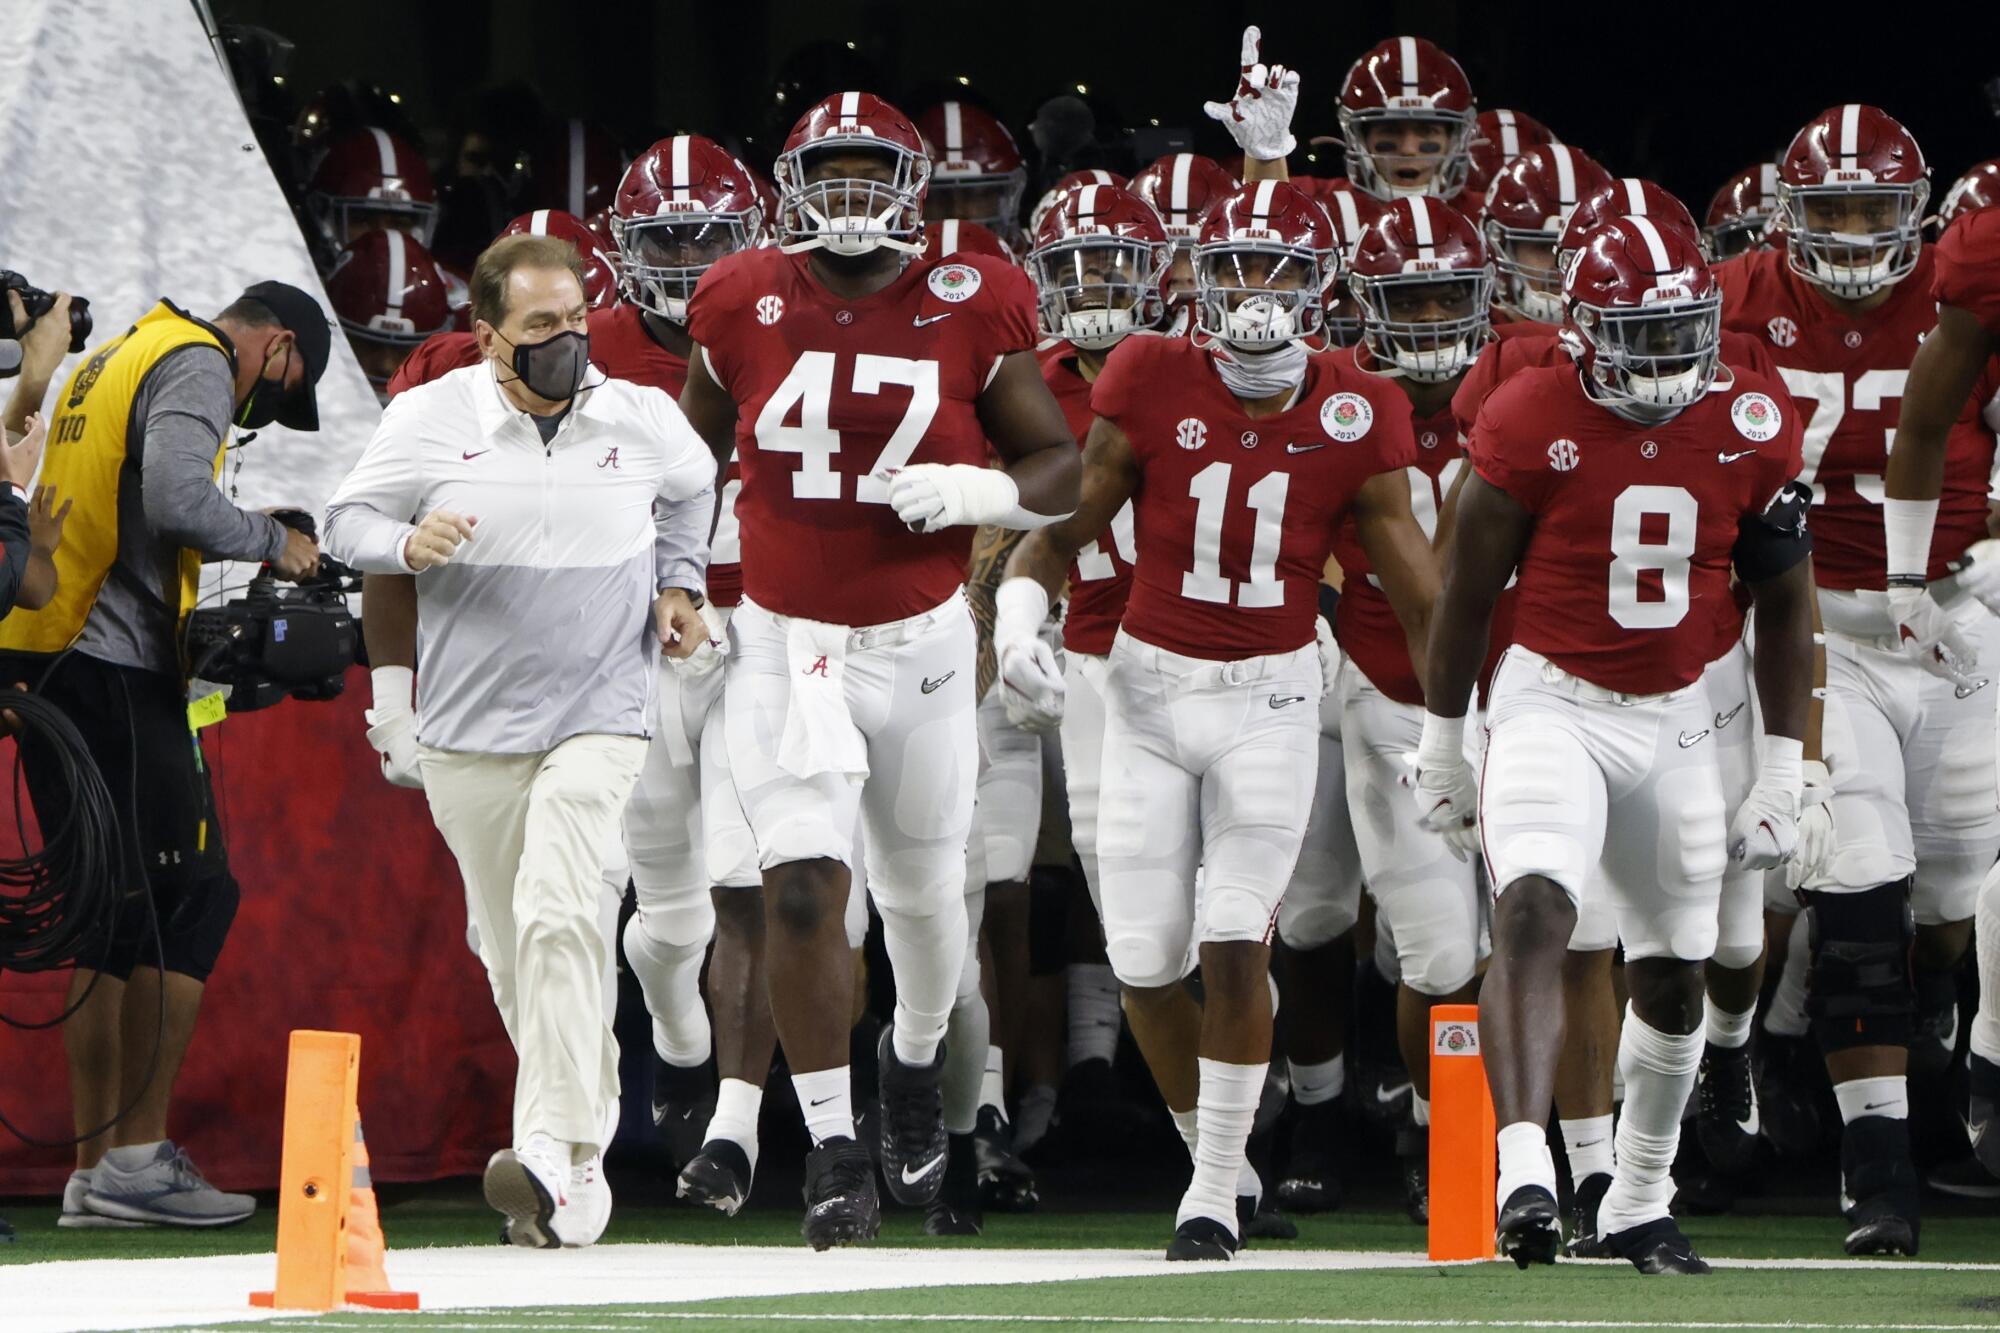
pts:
[1098, 329]
[1253, 375]
[1675, 390]
[553, 368]
[1851, 280]
[267, 395]
[1541, 307]
[1430, 365]
[1260, 321]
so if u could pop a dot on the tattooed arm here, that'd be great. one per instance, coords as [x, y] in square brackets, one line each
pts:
[990, 549]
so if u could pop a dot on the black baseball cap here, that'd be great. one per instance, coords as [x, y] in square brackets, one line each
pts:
[300, 313]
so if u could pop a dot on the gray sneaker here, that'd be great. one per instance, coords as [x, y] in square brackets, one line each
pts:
[166, 1189]
[74, 1214]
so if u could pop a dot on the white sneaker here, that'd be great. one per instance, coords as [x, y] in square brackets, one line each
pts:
[74, 1214]
[582, 1219]
[529, 1185]
[157, 1183]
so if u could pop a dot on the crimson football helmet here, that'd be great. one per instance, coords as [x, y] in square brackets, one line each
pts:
[1627, 196]
[1851, 191]
[1350, 212]
[388, 295]
[1406, 115]
[600, 275]
[1266, 256]
[371, 181]
[976, 168]
[1744, 212]
[574, 166]
[1979, 187]
[684, 203]
[1526, 207]
[1073, 181]
[1498, 138]
[1424, 282]
[1647, 313]
[961, 236]
[1182, 187]
[1098, 261]
[823, 205]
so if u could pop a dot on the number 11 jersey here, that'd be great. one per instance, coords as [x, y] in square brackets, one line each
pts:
[834, 395]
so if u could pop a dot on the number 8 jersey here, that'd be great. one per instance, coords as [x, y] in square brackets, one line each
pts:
[1636, 526]
[831, 396]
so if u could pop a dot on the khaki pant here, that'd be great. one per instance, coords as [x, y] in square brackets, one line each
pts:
[529, 832]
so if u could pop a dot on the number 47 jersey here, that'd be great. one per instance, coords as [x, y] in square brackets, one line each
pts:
[834, 395]
[1636, 527]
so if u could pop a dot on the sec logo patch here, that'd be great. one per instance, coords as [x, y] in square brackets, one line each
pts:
[1191, 433]
[770, 309]
[1783, 332]
[1563, 456]
[1346, 417]
[954, 282]
[1756, 416]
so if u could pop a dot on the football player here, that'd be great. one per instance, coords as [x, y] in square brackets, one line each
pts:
[976, 169]
[1599, 763]
[1740, 215]
[389, 296]
[370, 180]
[1241, 453]
[1407, 119]
[859, 385]
[1526, 207]
[1957, 366]
[1843, 307]
[1498, 137]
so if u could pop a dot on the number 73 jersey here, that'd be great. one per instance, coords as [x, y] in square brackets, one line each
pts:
[1636, 527]
[832, 396]
[1234, 515]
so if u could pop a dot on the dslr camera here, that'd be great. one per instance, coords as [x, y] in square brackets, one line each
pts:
[38, 303]
[272, 644]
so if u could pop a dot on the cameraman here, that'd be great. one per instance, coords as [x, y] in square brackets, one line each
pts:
[136, 443]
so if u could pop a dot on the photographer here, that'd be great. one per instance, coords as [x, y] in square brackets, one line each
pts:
[136, 443]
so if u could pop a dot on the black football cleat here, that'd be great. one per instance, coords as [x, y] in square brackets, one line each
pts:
[717, 1177]
[1311, 1180]
[1201, 1239]
[1726, 1119]
[913, 1139]
[1530, 1230]
[955, 1211]
[1982, 1115]
[1006, 1183]
[683, 1102]
[1656, 1248]
[1878, 1187]
[1791, 1090]
[1413, 1171]
[1258, 1218]
[841, 1205]
[1584, 1242]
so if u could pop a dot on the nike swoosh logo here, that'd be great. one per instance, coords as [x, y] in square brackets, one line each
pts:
[1875, 1106]
[1731, 458]
[479, 454]
[1687, 740]
[821, 1101]
[1591, 1144]
[1304, 448]
[1387, 1095]
[1286, 700]
[912, 1177]
[922, 320]
[1724, 719]
[1967, 691]
[932, 686]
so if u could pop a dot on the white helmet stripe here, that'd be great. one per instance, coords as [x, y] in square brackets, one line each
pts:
[398, 258]
[1086, 200]
[1655, 244]
[948, 242]
[538, 222]
[1635, 198]
[1850, 134]
[1350, 215]
[1177, 190]
[1510, 136]
[1565, 174]
[576, 167]
[850, 107]
[954, 130]
[1420, 222]
[1260, 207]
[1101, 176]
[1407, 48]
[385, 151]
[1767, 180]
[681, 168]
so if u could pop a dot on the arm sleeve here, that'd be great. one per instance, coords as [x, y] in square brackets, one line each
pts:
[184, 410]
[14, 533]
[371, 515]
[684, 509]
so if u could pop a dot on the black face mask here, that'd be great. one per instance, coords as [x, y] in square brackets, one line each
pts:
[553, 368]
[268, 396]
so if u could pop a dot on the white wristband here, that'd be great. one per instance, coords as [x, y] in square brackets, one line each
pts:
[1906, 532]
[395, 689]
[988, 493]
[1784, 762]
[1443, 741]
[1020, 607]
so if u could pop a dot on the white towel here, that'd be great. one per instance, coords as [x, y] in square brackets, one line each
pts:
[820, 736]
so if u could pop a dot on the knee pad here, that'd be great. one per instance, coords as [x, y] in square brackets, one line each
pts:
[684, 925]
[194, 921]
[1049, 891]
[1860, 991]
[1146, 959]
[1236, 913]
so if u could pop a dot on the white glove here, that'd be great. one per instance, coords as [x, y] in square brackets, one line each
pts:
[1978, 573]
[1928, 634]
[435, 540]
[706, 659]
[1031, 679]
[1259, 114]
[1329, 655]
[1809, 863]
[392, 725]
[1446, 787]
[931, 496]
[1765, 829]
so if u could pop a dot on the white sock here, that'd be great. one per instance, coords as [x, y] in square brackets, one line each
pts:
[1524, 1160]
[925, 954]
[827, 1104]
[670, 977]
[1189, 1127]
[1587, 1144]
[965, 1062]
[993, 1087]
[1315, 1084]
[1420, 1110]
[1659, 1074]
[1888, 1096]
[1787, 1015]
[1224, 1110]
[1249, 1185]
[1095, 1016]
[132, 1156]
[1731, 1031]
[1986, 935]
[737, 1103]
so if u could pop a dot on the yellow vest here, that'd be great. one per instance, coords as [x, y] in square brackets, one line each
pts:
[84, 462]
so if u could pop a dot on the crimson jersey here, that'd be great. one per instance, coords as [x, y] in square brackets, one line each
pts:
[1236, 512]
[1846, 376]
[439, 354]
[1100, 579]
[831, 396]
[1967, 271]
[1629, 560]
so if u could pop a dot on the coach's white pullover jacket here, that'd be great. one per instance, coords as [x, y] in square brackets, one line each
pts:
[541, 627]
